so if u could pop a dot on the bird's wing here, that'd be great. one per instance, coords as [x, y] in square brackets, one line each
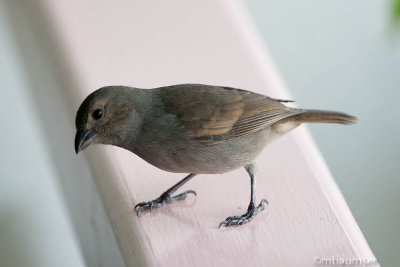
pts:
[213, 114]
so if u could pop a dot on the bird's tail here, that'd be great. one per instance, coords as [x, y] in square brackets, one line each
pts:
[324, 116]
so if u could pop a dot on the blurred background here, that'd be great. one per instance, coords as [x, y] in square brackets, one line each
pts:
[343, 55]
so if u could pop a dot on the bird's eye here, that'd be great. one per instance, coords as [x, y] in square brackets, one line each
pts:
[97, 114]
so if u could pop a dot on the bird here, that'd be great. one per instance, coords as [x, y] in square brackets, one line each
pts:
[193, 129]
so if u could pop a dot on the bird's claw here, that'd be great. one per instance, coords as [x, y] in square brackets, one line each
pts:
[252, 211]
[165, 198]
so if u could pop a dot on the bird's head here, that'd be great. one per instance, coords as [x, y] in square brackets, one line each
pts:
[102, 116]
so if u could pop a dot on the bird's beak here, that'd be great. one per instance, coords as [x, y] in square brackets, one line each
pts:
[83, 139]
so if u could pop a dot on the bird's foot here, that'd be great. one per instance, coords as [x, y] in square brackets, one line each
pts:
[252, 211]
[165, 198]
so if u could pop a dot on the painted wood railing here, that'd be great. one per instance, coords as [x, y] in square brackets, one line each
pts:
[88, 44]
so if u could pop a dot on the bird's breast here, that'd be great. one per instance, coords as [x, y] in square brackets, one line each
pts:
[181, 154]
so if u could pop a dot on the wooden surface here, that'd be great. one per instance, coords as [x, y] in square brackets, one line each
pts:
[154, 43]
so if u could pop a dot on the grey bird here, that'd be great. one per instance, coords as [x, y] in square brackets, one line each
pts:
[192, 128]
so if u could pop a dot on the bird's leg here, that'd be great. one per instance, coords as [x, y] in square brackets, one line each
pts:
[166, 197]
[252, 210]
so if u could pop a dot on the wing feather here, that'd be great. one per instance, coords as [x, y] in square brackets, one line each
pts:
[213, 114]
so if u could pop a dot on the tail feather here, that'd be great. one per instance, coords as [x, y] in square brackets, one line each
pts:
[324, 116]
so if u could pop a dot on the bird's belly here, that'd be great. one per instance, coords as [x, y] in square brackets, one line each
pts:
[192, 157]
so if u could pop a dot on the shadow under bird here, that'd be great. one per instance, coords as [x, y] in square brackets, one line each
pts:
[192, 128]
